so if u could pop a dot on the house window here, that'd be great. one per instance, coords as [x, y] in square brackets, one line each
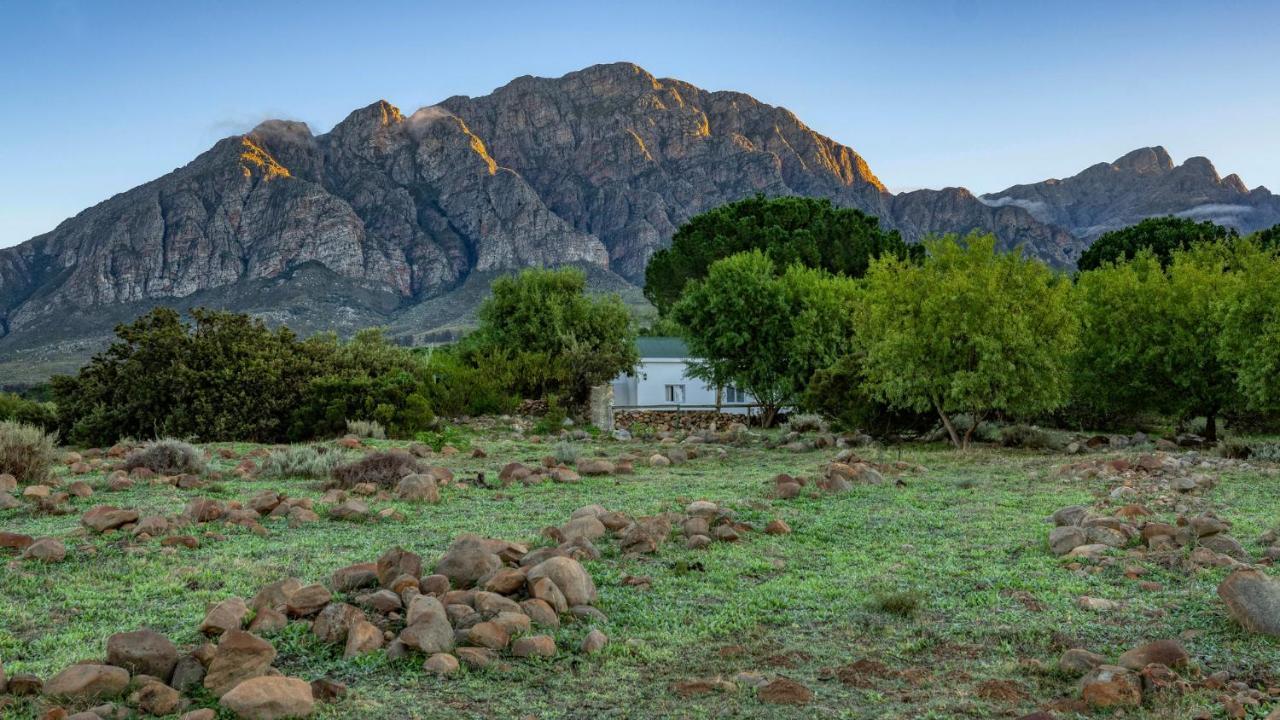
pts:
[675, 394]
[734, 395]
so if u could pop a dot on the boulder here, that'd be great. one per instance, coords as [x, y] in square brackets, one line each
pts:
[569, 577]
[1078, 661]
[1253, 599]
[47, 550]
[1065, 538]
[88, 681]
[270, 697]
[1169, 653]
[441, 664]
[226, 615]
[239, 657]
[534, 646]
[308, 601]
[418, 488]
[594, 642]
[468, 560]
[107, 517]
[362, 637]
[276, 595]
[143, 652]
[354, 577]
[334, 621]
[427, 626]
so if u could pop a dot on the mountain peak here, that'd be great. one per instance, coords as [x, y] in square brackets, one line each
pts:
[1145, 160]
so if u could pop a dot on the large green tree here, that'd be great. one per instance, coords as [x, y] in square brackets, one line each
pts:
[970, 330]
[564, 339]
[788, 230]
[1249, 324]
[1161, 235]
[764, 331]
[1150, 337]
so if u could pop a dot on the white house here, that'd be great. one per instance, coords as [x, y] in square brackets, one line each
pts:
[661, 382]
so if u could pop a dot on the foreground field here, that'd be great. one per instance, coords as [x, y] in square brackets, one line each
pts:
[930, 595]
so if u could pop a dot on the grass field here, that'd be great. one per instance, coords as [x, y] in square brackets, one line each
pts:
[933, 597]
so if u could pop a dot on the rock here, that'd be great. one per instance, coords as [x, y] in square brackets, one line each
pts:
[476, 657]
[334, 621]
[427, 626]
[1070, 515]
[467, 561]
[88, 681]
[595, 467]
[202, 714]
[515, 623]
[1164, 652]
[226, 615]
[540, 613]
[47, 550]
[1078, 661]
[187, 674]
[1224, 544]
[362, 637]
[308, 601]
[569, 577]
[418, 488]
[354, 577]
[326, 690]
[1085, 602]
[239, 656]
[268, 620]
[1109, 686]
[594, 642]
[543, 646]
[703, 509]
[698, 542]
[276, 595]
[157, 699]
[777, 527]
[586, 527]
[488, 634]
[658, 460]
[506, 581]
[441, 664]
[1065, 538]
[351, 510]
[143, 652]
[270, 698]
[1253, 599]
[545, 590]
[784, 691]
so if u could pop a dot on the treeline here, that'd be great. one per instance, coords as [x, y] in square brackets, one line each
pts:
[226, 376]
[1170, 317]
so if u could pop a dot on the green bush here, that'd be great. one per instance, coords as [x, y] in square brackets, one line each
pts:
[384, 469]
[447, 435]
[837, 393]
[303, 461]
[566, 452]
[27, 452]
[15, 408]
[167, 457]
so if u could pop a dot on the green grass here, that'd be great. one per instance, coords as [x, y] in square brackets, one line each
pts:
[919, 577]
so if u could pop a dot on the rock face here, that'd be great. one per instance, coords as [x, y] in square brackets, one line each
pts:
[1142, 184]
[378, 219]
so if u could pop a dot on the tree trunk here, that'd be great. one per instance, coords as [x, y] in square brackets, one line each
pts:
[719, 397]
[769, 414]
[1211, 426]
[946, 422]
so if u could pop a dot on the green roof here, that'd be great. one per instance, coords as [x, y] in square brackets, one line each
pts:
[661, 347]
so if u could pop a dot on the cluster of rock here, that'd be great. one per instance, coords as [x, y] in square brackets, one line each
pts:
[839, 475]
[670, 421]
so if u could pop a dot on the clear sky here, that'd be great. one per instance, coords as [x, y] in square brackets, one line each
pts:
[96, 97]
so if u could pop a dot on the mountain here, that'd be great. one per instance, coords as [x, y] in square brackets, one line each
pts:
[401, 219]
[1141, 184]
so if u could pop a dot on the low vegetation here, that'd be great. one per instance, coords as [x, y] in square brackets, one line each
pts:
[26, 452]
[166, 457]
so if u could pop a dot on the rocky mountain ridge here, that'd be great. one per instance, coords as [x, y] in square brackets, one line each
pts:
[399, 219]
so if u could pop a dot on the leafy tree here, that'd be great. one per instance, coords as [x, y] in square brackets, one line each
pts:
[563, 340]
[1150, 334]
[970, 330]
[763, 331]
[1161, 235]
[1249, 335]
[788, 230]
[1267, 239]
[15, 408]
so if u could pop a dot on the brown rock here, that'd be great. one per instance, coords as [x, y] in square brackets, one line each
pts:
[143, 652]
[1253, 599]
[326, 690]
[594, 642]
[226, 615]
[276, 595]
[540, 612]
[476, 657]
[354, 577]
[441, 664]
[15, 541]
[107, 517]
[88, 681]
[239, 656]
[363, 637]
[534, 646]
[569, 576]
[1165, 652]
[156, 698]
[270, 698]
[308, 601]
[777, 527]
[1077, 662]
[334, 621]
[467, 561]
[268, 620]
[488, 634]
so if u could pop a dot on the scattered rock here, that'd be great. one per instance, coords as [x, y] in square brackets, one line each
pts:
[239, 657]
[1164, 652]
[270, 698]
[1110, 686]
[88, 681]
[143, 652]
[784, 691]
[47, 550]
[1253, 599]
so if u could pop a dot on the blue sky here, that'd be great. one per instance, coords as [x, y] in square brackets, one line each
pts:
[96, 97]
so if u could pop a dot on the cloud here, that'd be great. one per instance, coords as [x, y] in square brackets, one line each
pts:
[1035, 207]
[1216, 211]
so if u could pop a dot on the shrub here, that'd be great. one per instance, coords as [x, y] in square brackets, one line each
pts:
[27, 452]
[1025, 436]
[166, 457]
[15, 408]
[1234, 449]
[367, 429]
[903, 603]
[806, 422]
[303, 461]
[447, 435]
[566, 452]
[1265, 452]
[384, 469]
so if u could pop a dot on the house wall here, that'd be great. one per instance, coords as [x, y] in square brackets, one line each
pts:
[648, 386]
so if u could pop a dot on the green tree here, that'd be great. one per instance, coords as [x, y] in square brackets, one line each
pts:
[1249, 335]
[1161, 235]
[788, 230]
[969, 330]
[1268, 239]
[1150, 334]
[563, 340]
[762, 331]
